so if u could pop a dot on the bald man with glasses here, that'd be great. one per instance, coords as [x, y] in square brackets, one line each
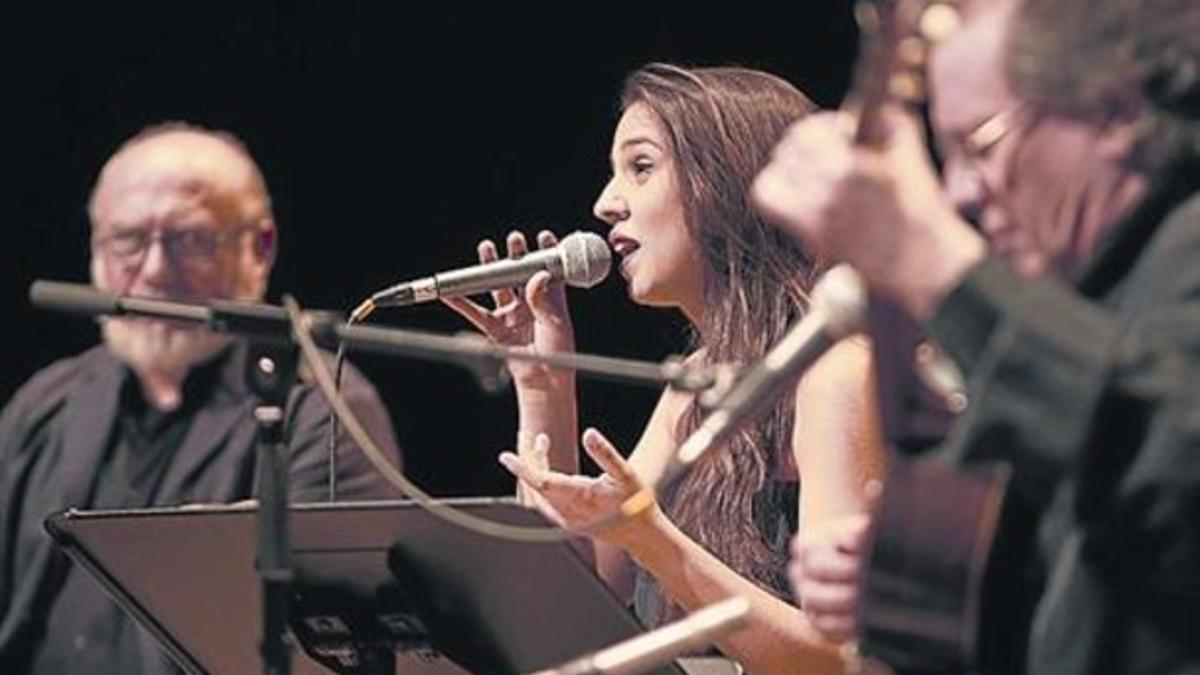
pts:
[159, 414]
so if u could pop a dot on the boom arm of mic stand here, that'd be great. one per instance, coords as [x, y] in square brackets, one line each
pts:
[471, 349]
[270, 323]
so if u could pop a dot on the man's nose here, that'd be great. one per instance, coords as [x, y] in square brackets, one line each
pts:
[158, 265]
[965, 187]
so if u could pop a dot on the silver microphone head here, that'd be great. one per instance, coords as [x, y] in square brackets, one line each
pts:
[841, 295]
[586, 259]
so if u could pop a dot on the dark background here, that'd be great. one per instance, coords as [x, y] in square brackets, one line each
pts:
[392, 139]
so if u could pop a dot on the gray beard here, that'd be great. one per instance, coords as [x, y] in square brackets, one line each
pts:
[155, 347]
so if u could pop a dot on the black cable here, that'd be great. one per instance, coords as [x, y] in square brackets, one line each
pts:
[338, 361]
[362, 311]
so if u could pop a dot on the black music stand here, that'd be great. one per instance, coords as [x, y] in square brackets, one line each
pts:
[380, 587]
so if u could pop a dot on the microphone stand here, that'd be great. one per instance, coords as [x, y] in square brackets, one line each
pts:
[271, 372]
[654, 648]
[487, 360]
[270, 324]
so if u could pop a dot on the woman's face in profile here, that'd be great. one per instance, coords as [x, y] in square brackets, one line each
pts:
[641, 202]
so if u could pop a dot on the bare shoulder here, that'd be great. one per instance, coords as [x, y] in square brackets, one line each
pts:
[674, 402]
[658, 441]
[845, 371]
[836, 441]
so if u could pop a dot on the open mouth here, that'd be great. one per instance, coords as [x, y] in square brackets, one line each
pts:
[627, 249]
[622, 246]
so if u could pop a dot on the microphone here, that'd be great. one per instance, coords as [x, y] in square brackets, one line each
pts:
[652, 649]
[837, 309]
[581, 259]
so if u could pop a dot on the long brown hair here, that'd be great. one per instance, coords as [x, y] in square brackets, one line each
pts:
[722, 124]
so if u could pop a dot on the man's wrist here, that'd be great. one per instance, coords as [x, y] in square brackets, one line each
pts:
[952, 255]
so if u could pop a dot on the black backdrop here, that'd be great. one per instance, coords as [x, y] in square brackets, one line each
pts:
[392, 139]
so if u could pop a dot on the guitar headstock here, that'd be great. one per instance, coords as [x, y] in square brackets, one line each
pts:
[895, 37]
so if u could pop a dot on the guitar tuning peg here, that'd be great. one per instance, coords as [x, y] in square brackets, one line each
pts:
[907, 87]
[866, 15]
[938, 21]
[912, 52]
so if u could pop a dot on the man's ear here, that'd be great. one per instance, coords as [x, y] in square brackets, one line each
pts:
[265, 241]
[256, 263]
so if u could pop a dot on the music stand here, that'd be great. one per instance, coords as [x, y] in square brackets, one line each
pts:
[379, 587]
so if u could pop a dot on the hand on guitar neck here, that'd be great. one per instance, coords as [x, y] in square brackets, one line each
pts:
[881, 210]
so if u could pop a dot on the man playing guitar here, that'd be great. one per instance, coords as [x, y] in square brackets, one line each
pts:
[1058, 264]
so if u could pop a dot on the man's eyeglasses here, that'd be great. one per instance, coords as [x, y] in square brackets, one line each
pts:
[977, 144]
[191, 244]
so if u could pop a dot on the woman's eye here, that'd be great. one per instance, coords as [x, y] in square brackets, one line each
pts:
[641, 167]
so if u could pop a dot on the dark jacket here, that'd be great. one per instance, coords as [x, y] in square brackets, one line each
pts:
[1092, 395]
[56, 431]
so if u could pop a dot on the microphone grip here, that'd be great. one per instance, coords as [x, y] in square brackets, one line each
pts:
[72, 298]
[471, 280]
[498, 274]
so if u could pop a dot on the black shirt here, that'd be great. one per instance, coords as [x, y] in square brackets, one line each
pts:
[79, 435]
[87, 632]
